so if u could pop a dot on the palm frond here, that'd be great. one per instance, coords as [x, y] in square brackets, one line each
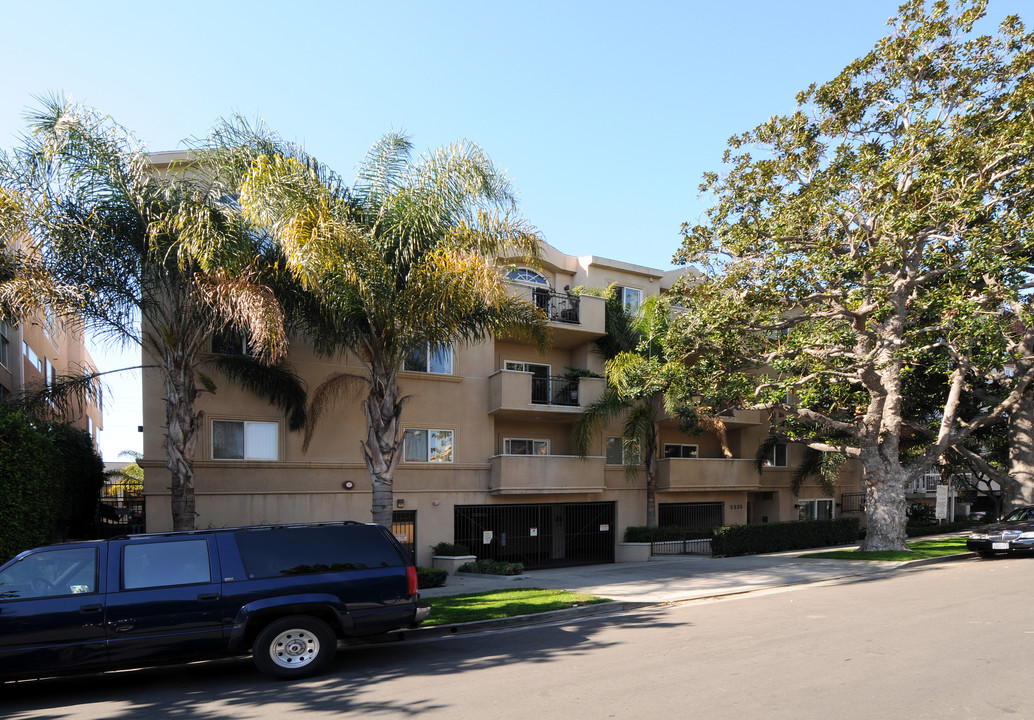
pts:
[277, 383]
[593, 418]
[332, 389]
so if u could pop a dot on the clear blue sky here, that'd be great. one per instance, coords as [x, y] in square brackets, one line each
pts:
[605, 114]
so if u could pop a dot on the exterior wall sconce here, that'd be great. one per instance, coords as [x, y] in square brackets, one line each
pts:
[399, 504]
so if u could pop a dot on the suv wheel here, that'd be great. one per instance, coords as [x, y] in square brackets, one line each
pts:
[294, 647]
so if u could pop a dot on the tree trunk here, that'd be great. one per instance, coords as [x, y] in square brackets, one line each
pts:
[1018, 489]
[382, 448]
[885, 511]
[182, 425]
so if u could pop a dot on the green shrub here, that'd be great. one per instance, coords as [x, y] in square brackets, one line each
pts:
[776, 537]
[449, 549]
[486, 566]
[50, 483]
[952, 527]
[430, 577]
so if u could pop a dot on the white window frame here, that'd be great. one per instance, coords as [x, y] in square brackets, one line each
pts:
[631, 305]
[528, 276]
[251, 441]
[429, 456]
[773, 457]
[35, 360]
[624, 453]
[536, 443]
[429, 355]
[682, 446]
[809, 506]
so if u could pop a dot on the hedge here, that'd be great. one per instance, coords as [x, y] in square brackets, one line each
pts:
[776, 537]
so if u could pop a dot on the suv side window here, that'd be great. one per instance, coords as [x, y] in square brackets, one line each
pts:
[51, 573]
[306, 550]
[161, 564]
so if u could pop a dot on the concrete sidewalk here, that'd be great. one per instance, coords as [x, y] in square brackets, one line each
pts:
[667, 579]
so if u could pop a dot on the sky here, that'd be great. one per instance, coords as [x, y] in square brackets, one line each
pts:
[604, 114]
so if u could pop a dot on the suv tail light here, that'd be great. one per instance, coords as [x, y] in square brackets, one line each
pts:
[411, 582]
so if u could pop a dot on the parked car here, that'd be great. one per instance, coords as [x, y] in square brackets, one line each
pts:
[1013, 534]
[286, 594]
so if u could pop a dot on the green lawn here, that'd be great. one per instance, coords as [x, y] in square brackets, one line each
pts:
[451, 609]
[920, 549]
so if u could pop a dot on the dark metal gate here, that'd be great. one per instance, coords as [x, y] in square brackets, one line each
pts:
[539, 536]
[403, 527]
[690, 525]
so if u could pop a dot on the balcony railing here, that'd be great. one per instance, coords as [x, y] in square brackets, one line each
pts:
[559, 307]
[925, 484]
[554, 391]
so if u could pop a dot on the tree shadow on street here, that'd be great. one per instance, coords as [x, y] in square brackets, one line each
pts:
[225, 689]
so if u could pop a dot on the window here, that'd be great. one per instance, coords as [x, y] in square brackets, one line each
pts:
[631, 298]
[5, 331]
[777, 458]
[428, 446]
[521, 446]
[244, 440]
[527, 275]
[310, 550]
[815, 510]
[621, 453]
[681, 451]
[161, 564]
[51, 573]
[430, 359]
[230, 343]
[35, 360]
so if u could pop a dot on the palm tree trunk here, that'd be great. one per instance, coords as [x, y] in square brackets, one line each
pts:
[383, 445]
[182, 424]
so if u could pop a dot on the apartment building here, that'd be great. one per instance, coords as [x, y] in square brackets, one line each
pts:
[488, 457]
[36, 351]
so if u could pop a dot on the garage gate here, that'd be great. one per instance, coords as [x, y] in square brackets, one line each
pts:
[540, 535]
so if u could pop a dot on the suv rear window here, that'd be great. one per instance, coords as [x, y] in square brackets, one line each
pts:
[306, 550]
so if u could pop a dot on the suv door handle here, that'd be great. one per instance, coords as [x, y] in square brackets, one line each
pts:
[90, 608]
[208, 596]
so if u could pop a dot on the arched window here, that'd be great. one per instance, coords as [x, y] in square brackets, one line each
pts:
[527, 275]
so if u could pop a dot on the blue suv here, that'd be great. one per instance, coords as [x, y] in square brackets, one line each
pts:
[285, 593]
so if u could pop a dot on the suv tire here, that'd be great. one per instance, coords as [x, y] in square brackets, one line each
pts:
[294, 647]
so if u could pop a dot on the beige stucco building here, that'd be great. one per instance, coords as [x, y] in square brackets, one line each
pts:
[37, 350]
[488, 454]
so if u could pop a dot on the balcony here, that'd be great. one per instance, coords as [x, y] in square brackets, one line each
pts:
[574, 319]
[677, 474]
[520, 395]
[545, 474]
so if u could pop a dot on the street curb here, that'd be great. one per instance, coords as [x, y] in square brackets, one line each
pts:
[614, 607]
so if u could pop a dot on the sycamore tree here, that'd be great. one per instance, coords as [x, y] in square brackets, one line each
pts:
[871, 234]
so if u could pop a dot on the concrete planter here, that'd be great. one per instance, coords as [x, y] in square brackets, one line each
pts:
[451, 563]
[632, 552]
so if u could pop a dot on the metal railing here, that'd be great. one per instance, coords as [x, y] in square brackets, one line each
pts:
[554, 391]
[559, 307]
[852, 502]
[120, 516]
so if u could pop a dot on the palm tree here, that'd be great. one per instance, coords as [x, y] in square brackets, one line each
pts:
[641, 388]
[161, 261]
[403, 258]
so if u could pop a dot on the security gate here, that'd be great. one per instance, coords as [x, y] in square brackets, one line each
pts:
[403, 527]
[539, 536]
[686, 528]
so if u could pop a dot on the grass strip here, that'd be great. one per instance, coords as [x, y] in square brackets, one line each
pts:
[450, 609]
[920, 549]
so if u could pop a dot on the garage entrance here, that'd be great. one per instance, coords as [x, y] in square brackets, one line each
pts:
[541, 535]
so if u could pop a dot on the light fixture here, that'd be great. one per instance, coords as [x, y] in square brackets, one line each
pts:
[399, 504]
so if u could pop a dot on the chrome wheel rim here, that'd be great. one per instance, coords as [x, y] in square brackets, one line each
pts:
[294, 648]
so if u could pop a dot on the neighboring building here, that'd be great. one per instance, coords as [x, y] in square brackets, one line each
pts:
[38, 350]
[488, 459]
